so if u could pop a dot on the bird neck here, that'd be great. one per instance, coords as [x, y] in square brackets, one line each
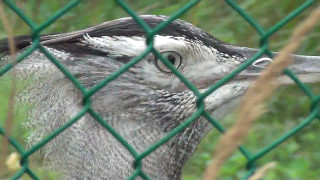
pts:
[93, 153]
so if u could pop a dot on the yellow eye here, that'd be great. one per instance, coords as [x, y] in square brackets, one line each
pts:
[173, 57]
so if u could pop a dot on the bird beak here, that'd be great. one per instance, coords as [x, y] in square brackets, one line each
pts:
[306, 68]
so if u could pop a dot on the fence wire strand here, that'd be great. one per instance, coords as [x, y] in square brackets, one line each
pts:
[150, 33]
[252, 103]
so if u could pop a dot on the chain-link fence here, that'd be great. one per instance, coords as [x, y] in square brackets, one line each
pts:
[150, 33]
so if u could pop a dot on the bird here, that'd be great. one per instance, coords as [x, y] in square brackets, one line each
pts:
[143, 104]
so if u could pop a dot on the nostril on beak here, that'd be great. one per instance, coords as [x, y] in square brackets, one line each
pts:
[262, 62]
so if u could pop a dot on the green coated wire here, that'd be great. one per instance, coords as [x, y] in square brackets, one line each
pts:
[150, 33]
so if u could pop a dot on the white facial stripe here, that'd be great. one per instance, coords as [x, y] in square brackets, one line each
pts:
[135, 45]
[117, 46]
[193, 53]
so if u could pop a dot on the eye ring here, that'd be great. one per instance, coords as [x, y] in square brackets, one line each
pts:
[173, 57]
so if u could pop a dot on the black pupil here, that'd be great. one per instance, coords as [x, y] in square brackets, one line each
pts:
[171, 58]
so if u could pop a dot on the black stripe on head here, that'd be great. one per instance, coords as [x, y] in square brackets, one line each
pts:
[77, 49]
[178, 28]
[20, 42]
[128, 27]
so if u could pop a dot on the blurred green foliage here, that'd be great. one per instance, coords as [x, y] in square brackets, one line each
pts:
[298, 158]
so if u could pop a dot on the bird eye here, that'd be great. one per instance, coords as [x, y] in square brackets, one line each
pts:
[173, 57]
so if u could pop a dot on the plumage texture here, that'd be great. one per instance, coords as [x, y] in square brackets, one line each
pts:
[142, 105]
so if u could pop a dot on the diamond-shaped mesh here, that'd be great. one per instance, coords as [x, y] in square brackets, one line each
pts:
[150, 33]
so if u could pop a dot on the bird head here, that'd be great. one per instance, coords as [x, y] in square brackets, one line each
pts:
[199, 57]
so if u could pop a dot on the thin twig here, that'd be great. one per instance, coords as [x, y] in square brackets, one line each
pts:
[13, 91]
[149, 8]
[259, 92]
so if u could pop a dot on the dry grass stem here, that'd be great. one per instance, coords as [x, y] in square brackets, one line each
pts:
[259, 174]
[149, 8]
[259, 92]
[10, 111]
